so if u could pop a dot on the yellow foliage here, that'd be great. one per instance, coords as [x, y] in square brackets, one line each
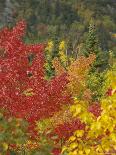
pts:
[79, 133]
[49, 47]
[99, 136]
[72, 138]
[110, 79]
[78, 72]
[59, 69]
[28, 92]
[62, 53]
[5, 146]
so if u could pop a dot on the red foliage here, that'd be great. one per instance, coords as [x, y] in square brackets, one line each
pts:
[56, 151]
[64, 131]
[109, 92]
[15, 69]
[95, 109]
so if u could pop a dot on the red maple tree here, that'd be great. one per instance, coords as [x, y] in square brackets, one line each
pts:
[24, 91]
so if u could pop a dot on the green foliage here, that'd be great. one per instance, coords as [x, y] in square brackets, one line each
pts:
[12, 131]
[92, 46]
[49, 55]
[92, 43]
[95, 83]
[65, 18]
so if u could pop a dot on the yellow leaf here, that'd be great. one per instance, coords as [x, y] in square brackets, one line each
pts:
[81, 152]
[87, 151]
[5, 146]
[75, 152]
[73, 145]
[113, 137]
[79, 133]
[64, 149]
[72, 138]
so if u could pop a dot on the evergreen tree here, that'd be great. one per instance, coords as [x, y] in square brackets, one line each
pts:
[91, 43]
[92, 46]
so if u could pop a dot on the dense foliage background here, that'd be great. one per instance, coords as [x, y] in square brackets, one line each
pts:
[57, 77]
[59, 19]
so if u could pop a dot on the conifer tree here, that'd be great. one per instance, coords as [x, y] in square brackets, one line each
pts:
[92, 46]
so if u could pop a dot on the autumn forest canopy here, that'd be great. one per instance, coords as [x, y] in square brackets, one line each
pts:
[57, 77]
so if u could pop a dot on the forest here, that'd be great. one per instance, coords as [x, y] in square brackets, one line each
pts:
[57, 77]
